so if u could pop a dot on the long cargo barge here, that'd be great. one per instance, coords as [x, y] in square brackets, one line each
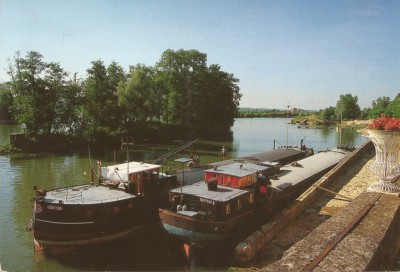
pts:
[234, 198]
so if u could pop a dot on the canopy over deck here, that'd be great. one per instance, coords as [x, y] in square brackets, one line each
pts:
[120, 171]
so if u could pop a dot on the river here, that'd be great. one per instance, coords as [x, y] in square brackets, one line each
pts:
[20, 173]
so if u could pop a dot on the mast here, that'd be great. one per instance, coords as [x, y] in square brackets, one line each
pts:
[128, 141]
[287, 127]
[341, 124]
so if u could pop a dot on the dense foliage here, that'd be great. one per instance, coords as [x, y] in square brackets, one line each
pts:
[259, 113]
[6, 101]
[347, 109]
[181, 90]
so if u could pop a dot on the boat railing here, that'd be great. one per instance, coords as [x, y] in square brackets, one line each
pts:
[68, 194]
[104, 200]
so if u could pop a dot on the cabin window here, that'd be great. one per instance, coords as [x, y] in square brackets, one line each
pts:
[239, 204]
[228, 208]
[251, 198]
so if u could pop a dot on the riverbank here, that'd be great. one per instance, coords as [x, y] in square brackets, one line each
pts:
[357, 123]
[314, 121]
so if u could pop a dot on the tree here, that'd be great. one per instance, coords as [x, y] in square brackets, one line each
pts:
[200, 97]
[393, 108]
[328, 114]
[347, 107]
[365, 113]
[55, 81]
[216, 104]
[137, 96]
[102, 113]
[69, 108]
[179, 72]
[379, 106]
[382, 102]
[6, 101]
[34, 98]
[44, 98]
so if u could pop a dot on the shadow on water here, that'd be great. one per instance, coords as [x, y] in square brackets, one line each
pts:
[158, 252]
[154, 253]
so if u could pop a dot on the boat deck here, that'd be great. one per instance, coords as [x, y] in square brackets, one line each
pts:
[86, 194]
[238, 169]
[190, 176]
[288, 175]
[200, 189]
[307, 168]
[277, 155]
[283, 156]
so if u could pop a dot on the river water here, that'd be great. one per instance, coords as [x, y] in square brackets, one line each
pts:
[18, 175]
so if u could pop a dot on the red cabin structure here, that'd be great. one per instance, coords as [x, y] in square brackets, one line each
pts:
[235, 175]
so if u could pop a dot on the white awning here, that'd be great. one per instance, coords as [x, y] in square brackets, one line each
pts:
[120, 171]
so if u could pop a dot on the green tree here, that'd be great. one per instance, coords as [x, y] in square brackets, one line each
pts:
[55, 81]
[393, 108]
[347, 107]
[6, 101]
[216, 103]
[69, 108]
[137, 96]
[115, 75]
[382, 102]
[34, 97]
[379, 106]
[203, 98]
[102, 114]
[328, 114]
[365, 113]
[178, 74]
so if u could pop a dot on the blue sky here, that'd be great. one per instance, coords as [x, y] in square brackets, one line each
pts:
[305, 53]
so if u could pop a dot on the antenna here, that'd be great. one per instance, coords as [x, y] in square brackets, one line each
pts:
[287, 126]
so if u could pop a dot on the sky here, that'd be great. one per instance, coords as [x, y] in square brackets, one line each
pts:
[301, 54]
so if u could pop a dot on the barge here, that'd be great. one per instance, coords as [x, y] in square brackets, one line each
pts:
[233, 199]
[122, 205]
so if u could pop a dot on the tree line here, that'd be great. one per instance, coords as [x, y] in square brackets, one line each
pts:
[180, 94]
[347, 108]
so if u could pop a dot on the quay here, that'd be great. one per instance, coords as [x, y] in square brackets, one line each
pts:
[335, 225]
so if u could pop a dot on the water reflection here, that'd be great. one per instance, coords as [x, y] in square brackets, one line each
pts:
[348, 137]
[152, 253]
[325, 133]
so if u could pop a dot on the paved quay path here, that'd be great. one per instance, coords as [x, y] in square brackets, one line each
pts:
[372, 244]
